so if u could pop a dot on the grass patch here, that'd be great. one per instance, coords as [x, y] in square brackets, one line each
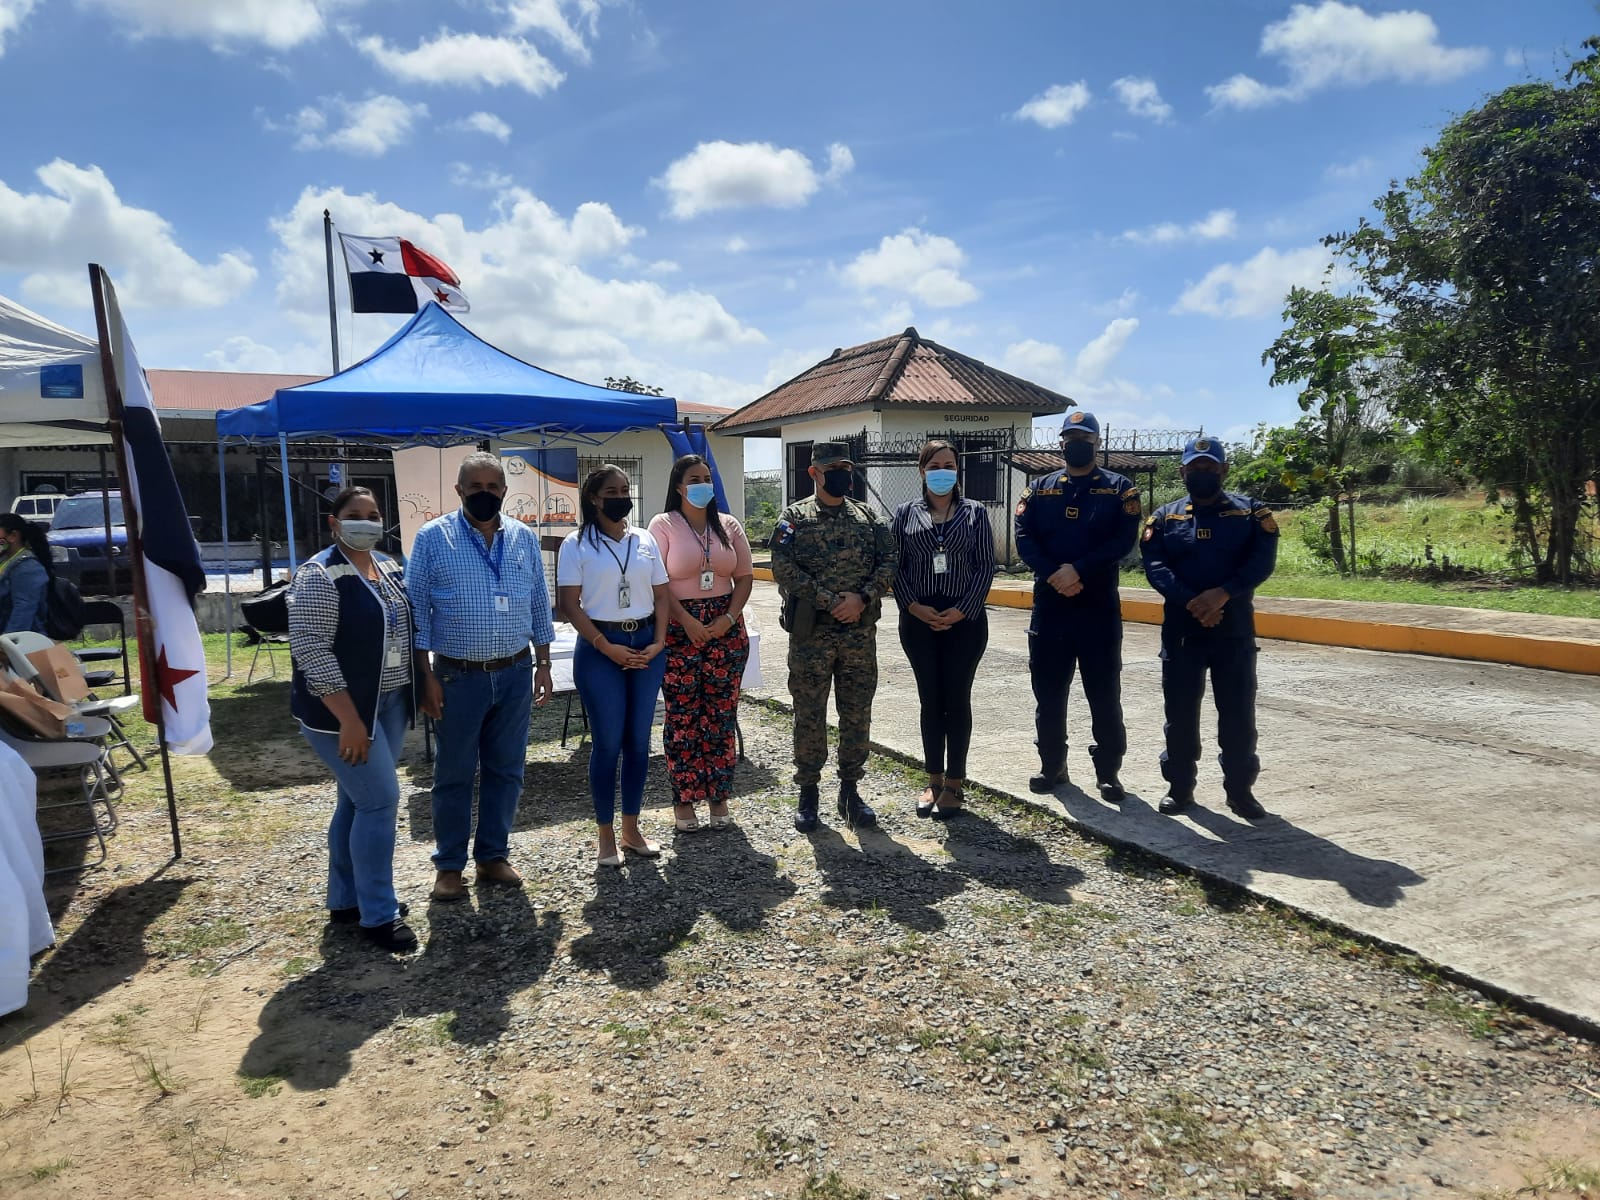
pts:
[1570, 1175]
[298, 965]
[46, 1171]
[629, 1037]
[1477, 1020]
[257, 1086]
[980, 1046]
[159, 1076]
[832, 1186]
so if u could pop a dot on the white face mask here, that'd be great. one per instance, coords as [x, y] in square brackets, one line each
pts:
[360, 535]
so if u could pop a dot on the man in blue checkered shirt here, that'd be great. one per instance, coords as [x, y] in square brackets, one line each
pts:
[478, 595]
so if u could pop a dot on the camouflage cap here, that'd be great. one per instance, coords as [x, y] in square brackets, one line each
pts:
[826, 453]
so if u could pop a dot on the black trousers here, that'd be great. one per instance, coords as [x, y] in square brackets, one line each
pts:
[1232, 664]
[945, 664]
[1084, 637]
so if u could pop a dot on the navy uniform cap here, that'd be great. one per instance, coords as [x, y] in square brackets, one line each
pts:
[1205, 447]
[826, 453]
[1078, 419]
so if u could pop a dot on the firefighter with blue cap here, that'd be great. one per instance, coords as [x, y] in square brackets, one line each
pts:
[1074, 527]
[1206, 555]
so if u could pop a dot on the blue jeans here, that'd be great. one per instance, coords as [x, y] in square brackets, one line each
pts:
[485, 725]
[361, 834]
[622, 707]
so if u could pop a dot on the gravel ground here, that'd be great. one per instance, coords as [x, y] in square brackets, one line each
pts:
[995, 1006]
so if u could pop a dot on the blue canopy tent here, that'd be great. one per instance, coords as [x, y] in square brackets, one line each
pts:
[434, 383]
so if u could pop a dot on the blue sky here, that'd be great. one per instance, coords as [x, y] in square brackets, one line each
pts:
[1110, 199]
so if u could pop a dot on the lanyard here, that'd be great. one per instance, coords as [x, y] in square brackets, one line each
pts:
[705, 542]
[622, 563]
[499, 548]
[941, 528]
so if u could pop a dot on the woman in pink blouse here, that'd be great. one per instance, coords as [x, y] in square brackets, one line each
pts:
[709, 581]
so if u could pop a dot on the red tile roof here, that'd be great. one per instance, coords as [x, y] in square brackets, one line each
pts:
[205, 392]
[904, 370]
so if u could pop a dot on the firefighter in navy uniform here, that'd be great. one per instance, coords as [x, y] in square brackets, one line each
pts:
[1206, 555]
[1074, 527]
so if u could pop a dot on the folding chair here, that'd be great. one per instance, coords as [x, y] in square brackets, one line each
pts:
[83, 760]
[271, 643]
[107, 612]
[267, 620]
[18, 646]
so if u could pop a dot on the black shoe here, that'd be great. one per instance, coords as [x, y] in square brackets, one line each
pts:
[1111, 789]
[857, 813]
[1175, 802]
[1247, 806]
[352, 916]
[395, 937]
[805, 813]
[1047, 781]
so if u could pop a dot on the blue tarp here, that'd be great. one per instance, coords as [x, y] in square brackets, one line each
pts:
[691, 439]
[435, 382]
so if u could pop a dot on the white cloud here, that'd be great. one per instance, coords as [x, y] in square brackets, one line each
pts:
[736, 245]
[78, 217]
[922, 264]
[1096, 357]
[464, 175]
[721, 175]
[536, 278]
[1219, 223]
[469, 60]
[1056, 106]
[1087, 378]
[1141, 97]
[1122, 304]
[1335, 44]
[485, 123]
[369, 127]
[549, 17]
[12, 14]
[242, 353]
[1042, 362]
[1355, 169]
[1256, 286]
[279, 24]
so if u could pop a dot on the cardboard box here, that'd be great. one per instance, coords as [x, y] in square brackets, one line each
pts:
[33, 712]
[60, 674]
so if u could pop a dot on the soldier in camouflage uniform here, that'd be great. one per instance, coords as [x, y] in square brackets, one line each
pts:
[834, 561]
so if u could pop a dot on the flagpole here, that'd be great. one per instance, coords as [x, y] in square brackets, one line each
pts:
[130, 519]
[333, 310]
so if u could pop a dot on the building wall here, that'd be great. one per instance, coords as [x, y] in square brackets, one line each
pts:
[822, 429]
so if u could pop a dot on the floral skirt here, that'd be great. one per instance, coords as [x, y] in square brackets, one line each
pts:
[701, 688]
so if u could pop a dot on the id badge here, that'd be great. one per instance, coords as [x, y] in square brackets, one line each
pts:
[708, 580]
[502, 602]
[394, 657]
[941, 562]
[625, 596]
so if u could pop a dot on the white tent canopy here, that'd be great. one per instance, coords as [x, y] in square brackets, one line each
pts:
[52, 389]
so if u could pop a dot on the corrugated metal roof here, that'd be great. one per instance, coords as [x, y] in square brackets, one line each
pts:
[207, 392]
[1042, 462]
[905, 370]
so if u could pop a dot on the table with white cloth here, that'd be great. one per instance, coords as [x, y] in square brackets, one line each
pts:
[24, 920]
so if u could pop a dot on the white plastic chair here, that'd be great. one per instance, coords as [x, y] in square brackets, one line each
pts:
[18, 646]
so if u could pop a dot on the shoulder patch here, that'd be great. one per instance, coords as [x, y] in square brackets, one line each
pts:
[1269, 523]
[1150, 529]
[1131, 506]
[1026, 492]
[783, 533]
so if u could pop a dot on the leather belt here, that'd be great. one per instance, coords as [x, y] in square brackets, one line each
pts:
[494, 664]
[630, 625]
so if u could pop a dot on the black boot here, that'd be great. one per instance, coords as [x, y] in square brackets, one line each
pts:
[1047, 780]
[1176, 800]
[1111, 789]
[857, 813]
[395, 937]
[1246, 805]
[352, 916]
[805, 812]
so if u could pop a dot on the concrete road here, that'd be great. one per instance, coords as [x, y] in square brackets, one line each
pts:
[1450, 808]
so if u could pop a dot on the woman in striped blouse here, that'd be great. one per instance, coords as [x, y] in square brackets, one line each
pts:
[946, 565]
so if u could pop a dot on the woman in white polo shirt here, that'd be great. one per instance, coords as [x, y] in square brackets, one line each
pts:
[612, 585]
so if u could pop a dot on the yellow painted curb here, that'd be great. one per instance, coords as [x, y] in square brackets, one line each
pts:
[1513, 649]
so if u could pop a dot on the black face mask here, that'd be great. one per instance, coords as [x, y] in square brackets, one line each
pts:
[481, 506]
[1077, 452]
[837, 482]
[1203, 485]
[616, 507]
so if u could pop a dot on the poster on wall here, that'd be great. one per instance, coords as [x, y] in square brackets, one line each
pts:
[541, 487]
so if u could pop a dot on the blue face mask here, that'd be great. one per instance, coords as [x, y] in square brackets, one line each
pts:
[941, 480]
[700, 494]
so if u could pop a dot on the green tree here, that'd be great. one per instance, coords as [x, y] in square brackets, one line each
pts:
[627, 383]
[1485, 267]
[1335, 348]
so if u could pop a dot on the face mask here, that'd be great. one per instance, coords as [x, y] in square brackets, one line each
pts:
[1077, 452]
[616, 507]
[941, 481]
[700, 494]
[481, 506]
[837, 481]
[360, 535]
[1203, 485]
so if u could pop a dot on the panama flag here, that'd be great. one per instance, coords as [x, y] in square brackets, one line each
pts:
[172, 660]
[390, 275]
